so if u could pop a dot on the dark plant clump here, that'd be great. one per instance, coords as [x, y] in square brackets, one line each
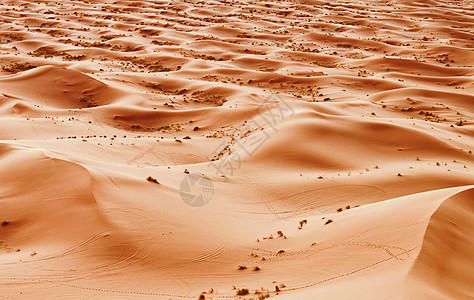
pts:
[151, 179]
[242, 292]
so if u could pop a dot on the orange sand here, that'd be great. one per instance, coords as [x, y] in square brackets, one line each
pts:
[362, 106]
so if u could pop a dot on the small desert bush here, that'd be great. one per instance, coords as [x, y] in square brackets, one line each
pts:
[242, 292]
[151, 179]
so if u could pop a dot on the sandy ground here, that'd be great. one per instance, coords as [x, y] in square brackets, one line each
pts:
[294, 149]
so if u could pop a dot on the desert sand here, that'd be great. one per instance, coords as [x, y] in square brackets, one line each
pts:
[236, 149]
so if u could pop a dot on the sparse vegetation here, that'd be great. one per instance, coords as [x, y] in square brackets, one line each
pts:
[242, 292]
[46, 52]
[164, 91]
[151, 179]
[158, 68]
[90, 103]
[49, 52]
[15, 68]
[302, 222]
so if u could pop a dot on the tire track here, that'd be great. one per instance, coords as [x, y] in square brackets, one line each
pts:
[212, 254]
[272, 257]
[345, 274]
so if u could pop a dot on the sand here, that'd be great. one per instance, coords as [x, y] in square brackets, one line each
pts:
[294, 149]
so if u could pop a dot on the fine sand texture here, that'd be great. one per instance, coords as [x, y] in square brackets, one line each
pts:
[296, 149]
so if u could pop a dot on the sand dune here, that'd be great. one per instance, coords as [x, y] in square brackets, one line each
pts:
[443, 264]
[236, 149]
[58, 88]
